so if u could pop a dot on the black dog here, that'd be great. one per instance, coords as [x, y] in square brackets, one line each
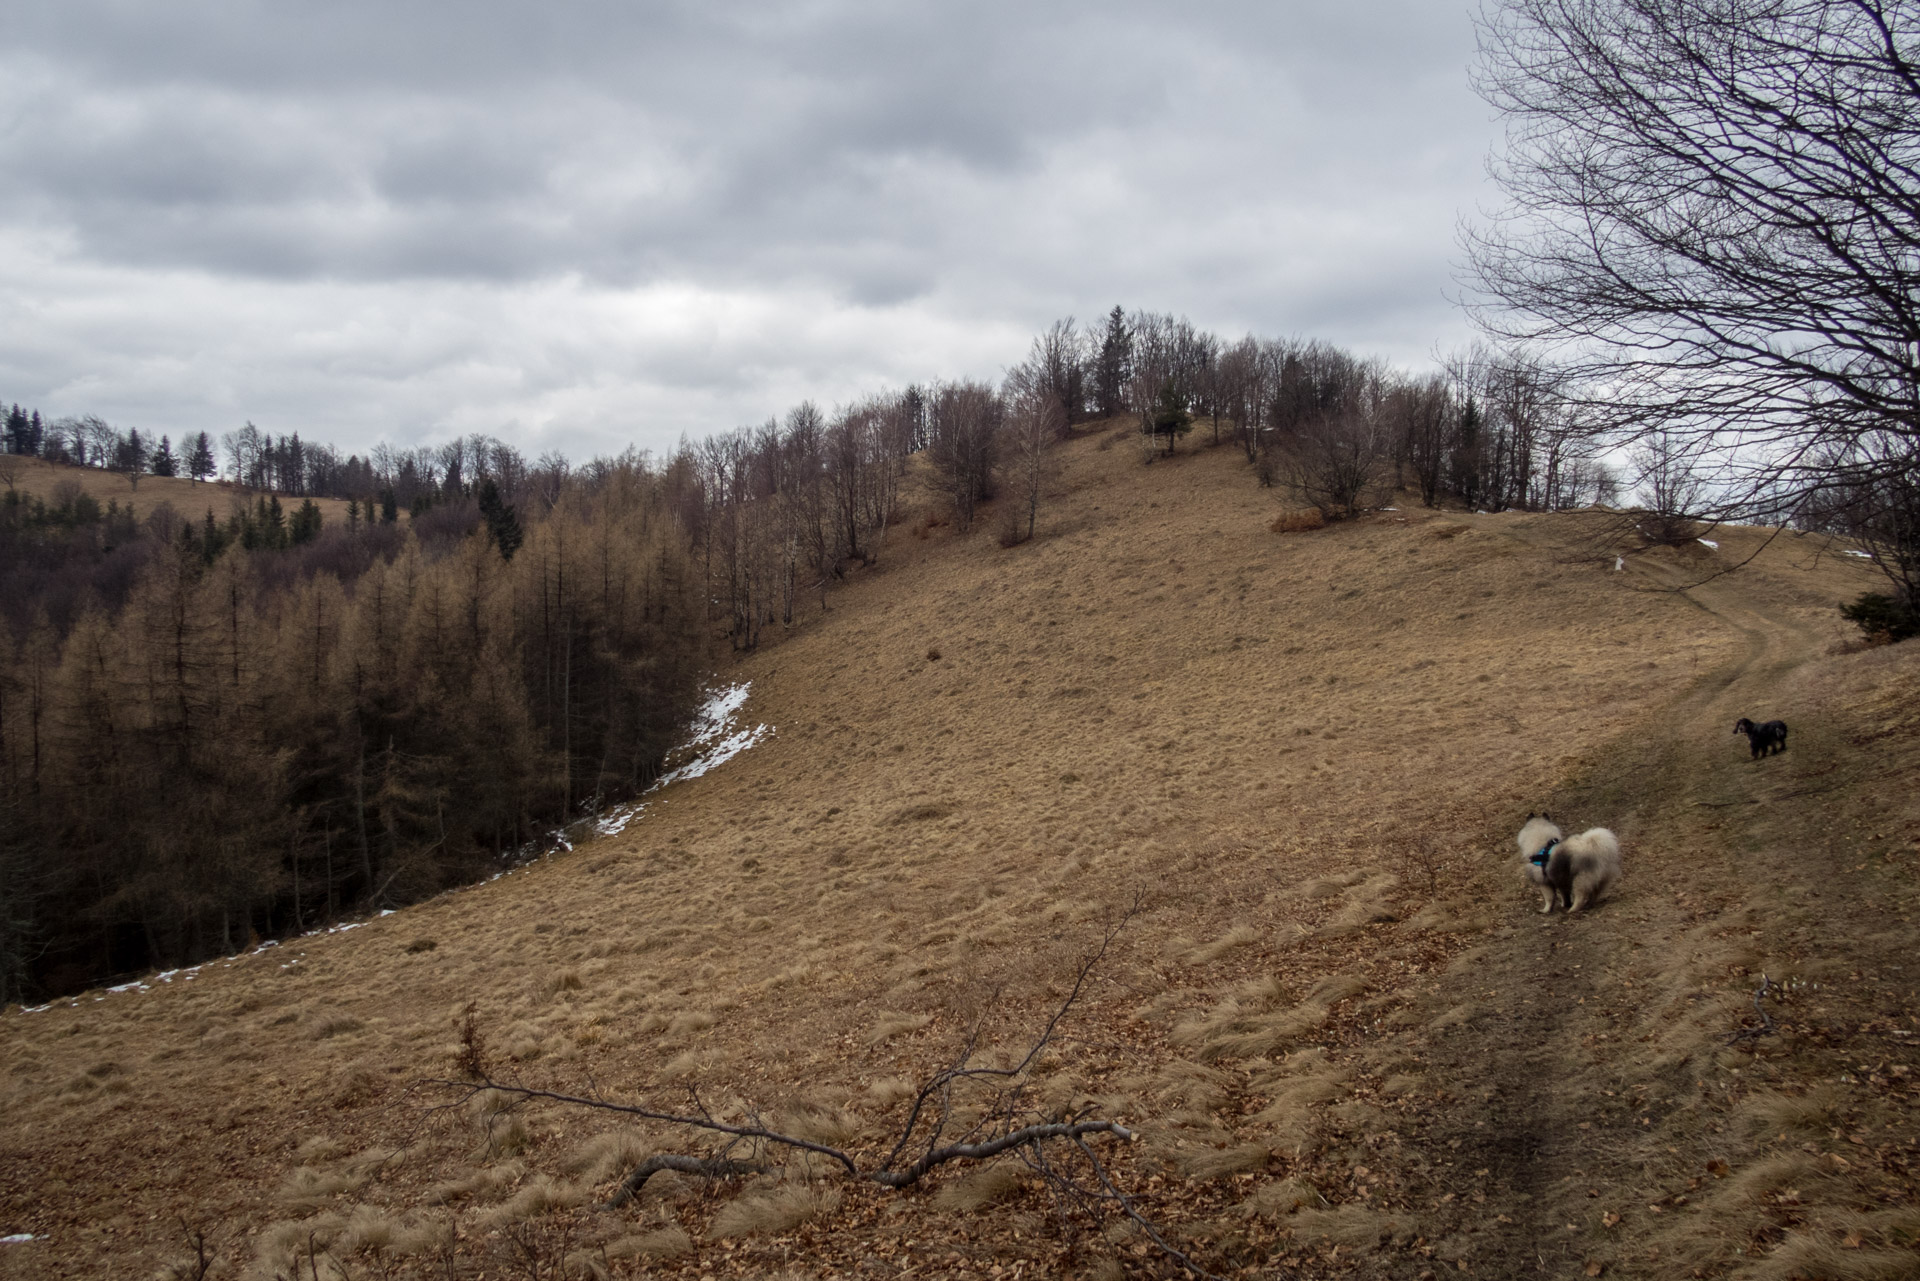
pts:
[1763, 739]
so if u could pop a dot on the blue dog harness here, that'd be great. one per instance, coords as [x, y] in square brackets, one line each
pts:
[1540, 859]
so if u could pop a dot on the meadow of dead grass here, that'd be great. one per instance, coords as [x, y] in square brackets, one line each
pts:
[1307, 755]
[192, 499]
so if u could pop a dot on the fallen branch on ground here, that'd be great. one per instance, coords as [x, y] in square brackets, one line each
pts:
[1011, 1122]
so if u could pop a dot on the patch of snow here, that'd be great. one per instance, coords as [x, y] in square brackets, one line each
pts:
[1710, 543]
[1619, 563]
[20, 1238]
[714, 742]
[1855, 551]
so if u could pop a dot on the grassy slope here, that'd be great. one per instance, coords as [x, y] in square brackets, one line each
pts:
[1349, 1043]
[190, 498]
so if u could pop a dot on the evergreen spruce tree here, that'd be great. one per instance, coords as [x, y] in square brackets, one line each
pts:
[305, 526]
[200, 464]
[130, 456]
[1114, 365]
[503, 527]
[164, 463]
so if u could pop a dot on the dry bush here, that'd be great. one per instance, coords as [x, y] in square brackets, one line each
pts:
[1303, 521]
[779, 1210]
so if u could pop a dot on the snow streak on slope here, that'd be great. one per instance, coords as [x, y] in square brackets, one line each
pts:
[715, 741]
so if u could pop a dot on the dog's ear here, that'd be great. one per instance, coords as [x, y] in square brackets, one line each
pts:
[1531, 816]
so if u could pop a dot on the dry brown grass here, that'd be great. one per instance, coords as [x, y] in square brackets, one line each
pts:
[1156, 697]
[191, 499]
[771, 1212]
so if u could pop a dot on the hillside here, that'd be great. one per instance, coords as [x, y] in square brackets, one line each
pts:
[1346, 1040]
[190, 498]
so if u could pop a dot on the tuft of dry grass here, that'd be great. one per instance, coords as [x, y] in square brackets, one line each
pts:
[1279, 1198]
[481, 1185]
[893, 1025]
[1771, 1112]
[889, 1090]
[1352, 1226]
[330, 1025]
[666, 1243]
[1812, 1254]
[778, 1210]
[1218, 1163]
[540, 1195]
[306, 1190]
[1238, 937]
[979, 1188]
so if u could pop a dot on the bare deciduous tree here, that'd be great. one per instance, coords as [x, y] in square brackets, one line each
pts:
[1034, 423]
[964, 434]
[1713, 213]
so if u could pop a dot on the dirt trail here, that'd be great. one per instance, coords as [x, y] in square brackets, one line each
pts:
[1569, 1116]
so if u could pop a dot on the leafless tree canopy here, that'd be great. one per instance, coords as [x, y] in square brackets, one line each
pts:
[1712, 211]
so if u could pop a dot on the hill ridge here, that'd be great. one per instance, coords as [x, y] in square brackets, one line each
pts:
[981, 753]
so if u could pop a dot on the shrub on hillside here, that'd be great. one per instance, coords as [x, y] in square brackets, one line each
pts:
[1884, 619]
[1298, 522]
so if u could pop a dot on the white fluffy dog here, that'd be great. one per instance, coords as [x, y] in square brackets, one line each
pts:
[1573, 869]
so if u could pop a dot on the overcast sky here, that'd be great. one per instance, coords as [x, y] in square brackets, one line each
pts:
[580, 225]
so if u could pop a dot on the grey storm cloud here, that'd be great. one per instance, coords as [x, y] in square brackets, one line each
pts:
[828, 177]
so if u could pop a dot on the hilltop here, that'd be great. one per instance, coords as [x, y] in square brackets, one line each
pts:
[191, 498]
[1347, 1042]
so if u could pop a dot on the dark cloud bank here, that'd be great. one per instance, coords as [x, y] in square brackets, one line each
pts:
[591, 223]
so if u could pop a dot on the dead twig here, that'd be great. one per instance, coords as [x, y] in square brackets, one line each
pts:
[1766, 1020]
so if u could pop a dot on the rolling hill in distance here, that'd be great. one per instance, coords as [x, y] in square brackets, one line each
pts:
[1280, 772]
